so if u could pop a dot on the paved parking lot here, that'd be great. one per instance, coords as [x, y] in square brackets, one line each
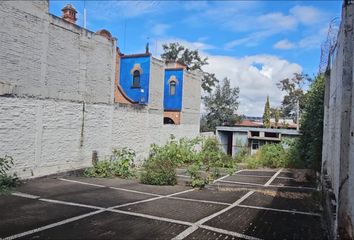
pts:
[251, 204]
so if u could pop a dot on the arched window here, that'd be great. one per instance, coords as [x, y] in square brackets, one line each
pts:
[172, 88]
[167, 120]
[136, 79]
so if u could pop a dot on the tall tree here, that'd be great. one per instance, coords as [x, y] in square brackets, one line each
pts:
[193, 61]
[275, 113]
[266, 114]
[294, 88]
[221, 105]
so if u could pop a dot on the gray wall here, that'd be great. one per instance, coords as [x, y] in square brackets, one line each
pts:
[338, 139]
[56, 95]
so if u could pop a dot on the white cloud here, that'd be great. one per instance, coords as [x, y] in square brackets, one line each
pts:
[255, 84]
[284, 44]
[160, 29]
[277, 20]
[196, 45]
[306, 14]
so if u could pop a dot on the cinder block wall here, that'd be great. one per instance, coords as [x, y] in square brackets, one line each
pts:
[338, 139]
[57, 95]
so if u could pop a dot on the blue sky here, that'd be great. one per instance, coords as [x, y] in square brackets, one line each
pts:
[254, 43]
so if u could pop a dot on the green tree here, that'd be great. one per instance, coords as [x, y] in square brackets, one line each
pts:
[276, 114]
[221, 105]
[266, 114]
[294, 88]
[174, 52]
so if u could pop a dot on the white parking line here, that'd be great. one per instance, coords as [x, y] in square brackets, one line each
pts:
[273, 177]
[198, 200]
[246, 175]
[53, 225]
[242, 183]
[193, 228]
[223, 177]
[134, 191]
[280, 210]
[152, 217]
[25, 195]
[69, 203]
[84, 183]
[151, 199]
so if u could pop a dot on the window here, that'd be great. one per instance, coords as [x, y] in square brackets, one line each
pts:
[167, 120]
[136, 79]
[271, 135]
[254, 134]
[172, 88]
[255, 144]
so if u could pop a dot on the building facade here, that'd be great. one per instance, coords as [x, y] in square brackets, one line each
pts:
[235, 139]
[66, 92]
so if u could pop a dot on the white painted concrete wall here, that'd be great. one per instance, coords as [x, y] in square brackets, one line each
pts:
[338, 139]
[56, 95]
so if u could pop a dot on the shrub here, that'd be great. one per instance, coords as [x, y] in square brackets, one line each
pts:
[159, 171]
[269, 155]
[7, 181]
[212, 156]
[197, 179]
[121, 165]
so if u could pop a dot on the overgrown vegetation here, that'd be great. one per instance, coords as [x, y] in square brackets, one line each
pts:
[308, 149]
[203, 165]
[160, 167]
[7, 181]
[120, 164]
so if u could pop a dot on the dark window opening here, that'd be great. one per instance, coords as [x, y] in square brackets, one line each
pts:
[255, 134]
[167, 120]
[136, 79]
[271, 135]
[255, 144]
[172, 88]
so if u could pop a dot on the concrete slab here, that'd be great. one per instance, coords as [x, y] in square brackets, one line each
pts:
[269, 224]
[109, 225]
[233, 186]
[175, 209]
[257, 172]
[247, 179]
[214, 194]
[22, 214]
[132, 185]
[51, 186]
[210, 235]
[102, 197]
[298, 201]
[292, 182]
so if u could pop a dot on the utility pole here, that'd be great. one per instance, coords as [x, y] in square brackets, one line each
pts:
[297, 115]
